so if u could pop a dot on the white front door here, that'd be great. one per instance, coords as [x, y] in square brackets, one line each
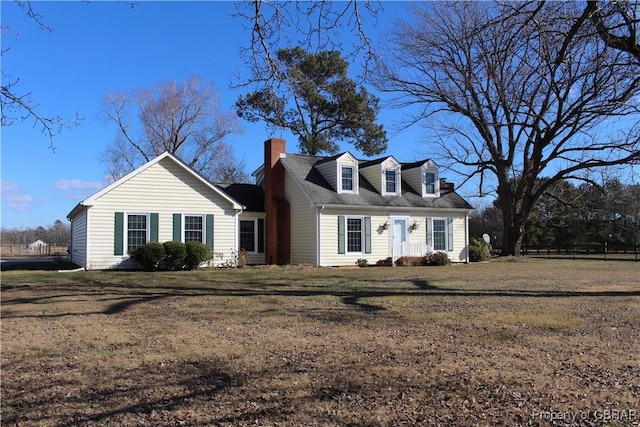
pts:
[399, 227]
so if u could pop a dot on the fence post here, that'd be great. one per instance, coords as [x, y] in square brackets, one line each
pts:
[605, 251]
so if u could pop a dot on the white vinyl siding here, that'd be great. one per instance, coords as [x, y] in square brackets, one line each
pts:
[164, 188]
[380, 237]
[303, 224]
[329, 171]
[328, 236]
[78, 239]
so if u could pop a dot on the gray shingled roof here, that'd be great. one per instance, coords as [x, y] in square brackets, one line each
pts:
[301, 167]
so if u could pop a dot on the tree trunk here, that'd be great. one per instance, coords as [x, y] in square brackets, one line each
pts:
[512, 239]
[513, 220]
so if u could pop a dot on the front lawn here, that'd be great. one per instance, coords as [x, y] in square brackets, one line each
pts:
[500, 343]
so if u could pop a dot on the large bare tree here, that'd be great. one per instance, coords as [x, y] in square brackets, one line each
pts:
[515, 94]
[184, 119]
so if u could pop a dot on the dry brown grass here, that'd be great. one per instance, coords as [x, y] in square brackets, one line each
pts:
[500, 343]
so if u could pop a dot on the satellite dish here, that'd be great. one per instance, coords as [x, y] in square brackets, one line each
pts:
[486, 238]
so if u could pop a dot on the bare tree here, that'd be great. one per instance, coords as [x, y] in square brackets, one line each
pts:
[16, 105]
[184, 119]
[512, 97]
[617, 23]
[313, 26]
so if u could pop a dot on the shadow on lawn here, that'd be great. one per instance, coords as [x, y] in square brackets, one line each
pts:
[127, 296]
[156, 395]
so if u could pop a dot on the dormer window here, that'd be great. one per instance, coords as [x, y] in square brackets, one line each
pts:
[391, 182]
[430, 183]
[347, 178]
[341, 172]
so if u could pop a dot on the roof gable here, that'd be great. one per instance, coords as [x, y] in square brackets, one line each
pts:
[90, 201]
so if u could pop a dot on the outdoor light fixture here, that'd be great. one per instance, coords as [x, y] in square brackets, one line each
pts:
[414, 225]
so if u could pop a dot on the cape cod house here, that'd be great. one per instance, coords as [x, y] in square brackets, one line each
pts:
[326, 211]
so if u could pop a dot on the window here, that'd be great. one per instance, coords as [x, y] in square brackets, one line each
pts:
[439, 235]
[354, 234]
[347, 178]
[430, 182]
[136, 231]
[193, 228]
[391, 181]
[248, 235]
[252, 235]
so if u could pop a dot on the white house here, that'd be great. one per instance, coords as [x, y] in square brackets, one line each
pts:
[162, 200]
[37, 246]
[340, 209]
[326, 211]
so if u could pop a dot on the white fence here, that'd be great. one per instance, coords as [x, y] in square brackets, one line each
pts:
[412, 249]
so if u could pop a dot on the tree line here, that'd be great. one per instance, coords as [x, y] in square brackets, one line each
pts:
[583, 215]
[58, 234]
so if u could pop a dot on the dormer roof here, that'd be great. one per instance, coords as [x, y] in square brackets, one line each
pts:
[306, 173]
[427, 163]
[369, 163]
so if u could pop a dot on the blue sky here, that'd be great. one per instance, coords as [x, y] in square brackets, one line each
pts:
[100, 47]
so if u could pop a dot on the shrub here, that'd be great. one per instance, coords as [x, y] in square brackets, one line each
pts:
[149, 255]
[438, 258]
[243, 258]
[174, 255]
[479, 250]
[410, 261]
[197, 253]
[361, 262]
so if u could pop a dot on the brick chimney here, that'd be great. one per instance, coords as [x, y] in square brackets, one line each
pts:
[277, 222]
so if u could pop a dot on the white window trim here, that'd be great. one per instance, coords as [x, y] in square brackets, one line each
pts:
[436, 182]
[354, 170]
[125, 228]
[384, 182]
[183, 224]
[446, 234]
[255, 234]
[346, 234]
